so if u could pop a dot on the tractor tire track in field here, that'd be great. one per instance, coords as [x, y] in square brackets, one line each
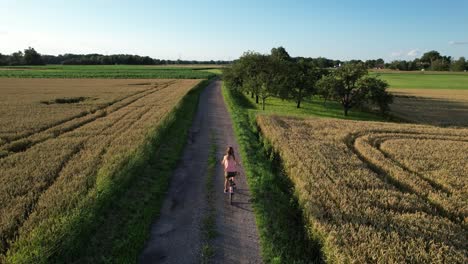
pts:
[176, 235]
[386, 176]
[138, 114]
[93, 116]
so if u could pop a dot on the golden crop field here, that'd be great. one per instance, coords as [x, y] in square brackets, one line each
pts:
[432, 106]
[378, 192]
[60, 157]
[28, 106]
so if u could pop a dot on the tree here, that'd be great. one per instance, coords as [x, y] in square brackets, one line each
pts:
[459, 65]
[380, 63]
[430, 56]
[328, 86]
[250, 62]
[232, 76]
[271, 77]
[370, 64]
[243, 74]
[280, 53]
[31, 57]
[350, 86]
[3, 60]
[375, 92]
[17, 58]
[440, 65]
[301, 81]
[355, 62]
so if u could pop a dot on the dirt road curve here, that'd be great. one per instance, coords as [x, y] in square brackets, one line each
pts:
[175, 235]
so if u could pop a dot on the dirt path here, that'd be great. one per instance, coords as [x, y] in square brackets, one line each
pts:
[175, 235]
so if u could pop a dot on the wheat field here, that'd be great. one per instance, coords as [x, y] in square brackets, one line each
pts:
[378, 192]
[58, 159]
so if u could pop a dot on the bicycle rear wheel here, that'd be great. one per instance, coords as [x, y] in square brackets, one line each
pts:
[231, 194]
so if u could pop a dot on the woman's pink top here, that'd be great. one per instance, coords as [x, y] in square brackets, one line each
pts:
[229, 164]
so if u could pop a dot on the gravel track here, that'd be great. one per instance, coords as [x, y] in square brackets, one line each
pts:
[175, 234]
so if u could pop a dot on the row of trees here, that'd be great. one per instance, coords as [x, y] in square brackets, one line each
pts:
[277, 74]
[31, 57]
[431, 60]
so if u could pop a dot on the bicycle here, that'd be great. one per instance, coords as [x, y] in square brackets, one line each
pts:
[231, 188]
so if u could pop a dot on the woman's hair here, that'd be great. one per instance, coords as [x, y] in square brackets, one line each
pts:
[230, 152]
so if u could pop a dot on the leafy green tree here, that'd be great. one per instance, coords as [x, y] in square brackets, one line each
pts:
[328, 86]
[301, 81]
[321, 62]
[244, 72]
[430, 56]
[350, 86]
[370, 64]
[3, 60]
[380, 63]
[17, 58]
[375, 91]
[232, 76]
[280, 53]
[271, 77]
[440, 65]
[250, 62]
[459, 65]
[31, 57]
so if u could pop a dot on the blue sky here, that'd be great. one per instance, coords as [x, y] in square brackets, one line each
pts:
[206, 29]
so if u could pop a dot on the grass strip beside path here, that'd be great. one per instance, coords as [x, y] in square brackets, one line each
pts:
[283, 234]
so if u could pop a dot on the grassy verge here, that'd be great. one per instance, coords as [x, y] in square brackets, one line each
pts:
[112, 224]
[283, 234]
[208, 228]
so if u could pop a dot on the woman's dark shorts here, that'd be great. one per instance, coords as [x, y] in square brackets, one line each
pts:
[230, 174]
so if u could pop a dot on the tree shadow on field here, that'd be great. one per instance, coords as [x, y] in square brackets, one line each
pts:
[431, 111]
[242, 100]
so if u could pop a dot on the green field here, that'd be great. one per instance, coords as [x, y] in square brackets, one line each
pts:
[108, 71]
[425, 80]
[311, 107]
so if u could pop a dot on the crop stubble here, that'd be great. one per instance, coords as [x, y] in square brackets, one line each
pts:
[378, 192]
[432, 106]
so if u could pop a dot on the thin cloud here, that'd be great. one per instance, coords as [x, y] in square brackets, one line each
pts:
[413, 53]
[3, 32]
[458, 42]
[396, 54]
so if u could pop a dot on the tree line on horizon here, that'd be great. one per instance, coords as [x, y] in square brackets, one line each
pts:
[431, 60]
[31, 57]
[278, 75]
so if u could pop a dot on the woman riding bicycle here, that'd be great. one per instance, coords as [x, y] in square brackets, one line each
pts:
[230, 166]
